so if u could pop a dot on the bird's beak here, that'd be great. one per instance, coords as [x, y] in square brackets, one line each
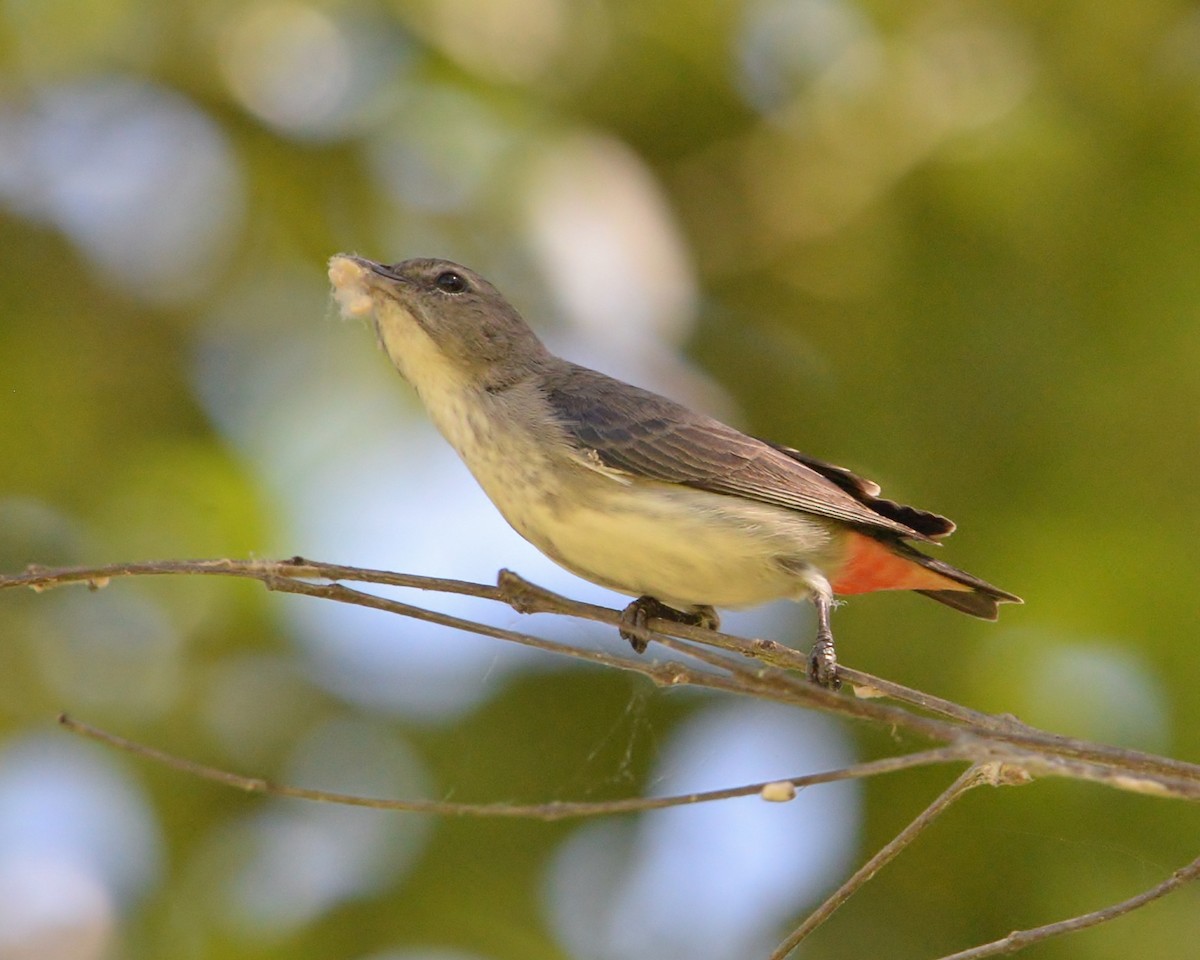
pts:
[382, 270]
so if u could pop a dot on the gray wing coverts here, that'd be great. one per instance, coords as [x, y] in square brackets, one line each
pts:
[646, 435]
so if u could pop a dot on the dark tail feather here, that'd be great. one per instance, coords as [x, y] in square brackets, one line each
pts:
[980, 599]
[977, 604]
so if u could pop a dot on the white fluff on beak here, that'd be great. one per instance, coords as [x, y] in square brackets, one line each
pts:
[349, 287]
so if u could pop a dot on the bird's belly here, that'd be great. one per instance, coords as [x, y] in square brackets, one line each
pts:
[686, 547]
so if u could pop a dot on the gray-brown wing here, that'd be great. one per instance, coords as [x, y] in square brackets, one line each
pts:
[647, 435]
[865, 491]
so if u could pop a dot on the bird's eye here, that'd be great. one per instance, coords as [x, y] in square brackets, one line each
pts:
[450, 282]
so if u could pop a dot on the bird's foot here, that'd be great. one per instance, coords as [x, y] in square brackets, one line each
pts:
[644, 609]
[822, 663]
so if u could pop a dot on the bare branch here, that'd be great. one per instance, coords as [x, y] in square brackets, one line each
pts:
[1001, 749]
[770, 674]
[555, 810]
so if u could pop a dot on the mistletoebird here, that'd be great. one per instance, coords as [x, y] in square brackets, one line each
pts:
[634, 491]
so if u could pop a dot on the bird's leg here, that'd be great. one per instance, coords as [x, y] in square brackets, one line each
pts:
[644, 609]
[822, 661]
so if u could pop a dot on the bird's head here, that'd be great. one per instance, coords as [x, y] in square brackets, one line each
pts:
[435, 318]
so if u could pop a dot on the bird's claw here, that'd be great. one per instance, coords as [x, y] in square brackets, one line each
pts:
[638, 614]
[822, 663]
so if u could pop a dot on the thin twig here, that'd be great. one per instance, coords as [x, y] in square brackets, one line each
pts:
[554, 810]
[866, 685]
[972, 777]
[1020, 939]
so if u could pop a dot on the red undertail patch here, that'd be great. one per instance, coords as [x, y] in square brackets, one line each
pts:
[872, 565]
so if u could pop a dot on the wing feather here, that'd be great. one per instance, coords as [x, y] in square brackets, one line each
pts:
[933, 525]
[646, 435]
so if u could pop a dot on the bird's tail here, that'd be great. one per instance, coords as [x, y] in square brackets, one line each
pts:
[969, 594]
[984, 604]
[877, 564]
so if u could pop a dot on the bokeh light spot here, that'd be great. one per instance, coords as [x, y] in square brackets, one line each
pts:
[136, 175]
[307, 71]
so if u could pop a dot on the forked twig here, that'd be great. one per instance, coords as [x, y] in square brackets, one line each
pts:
[975, 776]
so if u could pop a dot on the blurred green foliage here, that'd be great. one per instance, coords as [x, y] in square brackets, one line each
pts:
[954, 247]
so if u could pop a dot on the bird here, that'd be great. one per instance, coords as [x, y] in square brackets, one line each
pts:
[631, 490]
